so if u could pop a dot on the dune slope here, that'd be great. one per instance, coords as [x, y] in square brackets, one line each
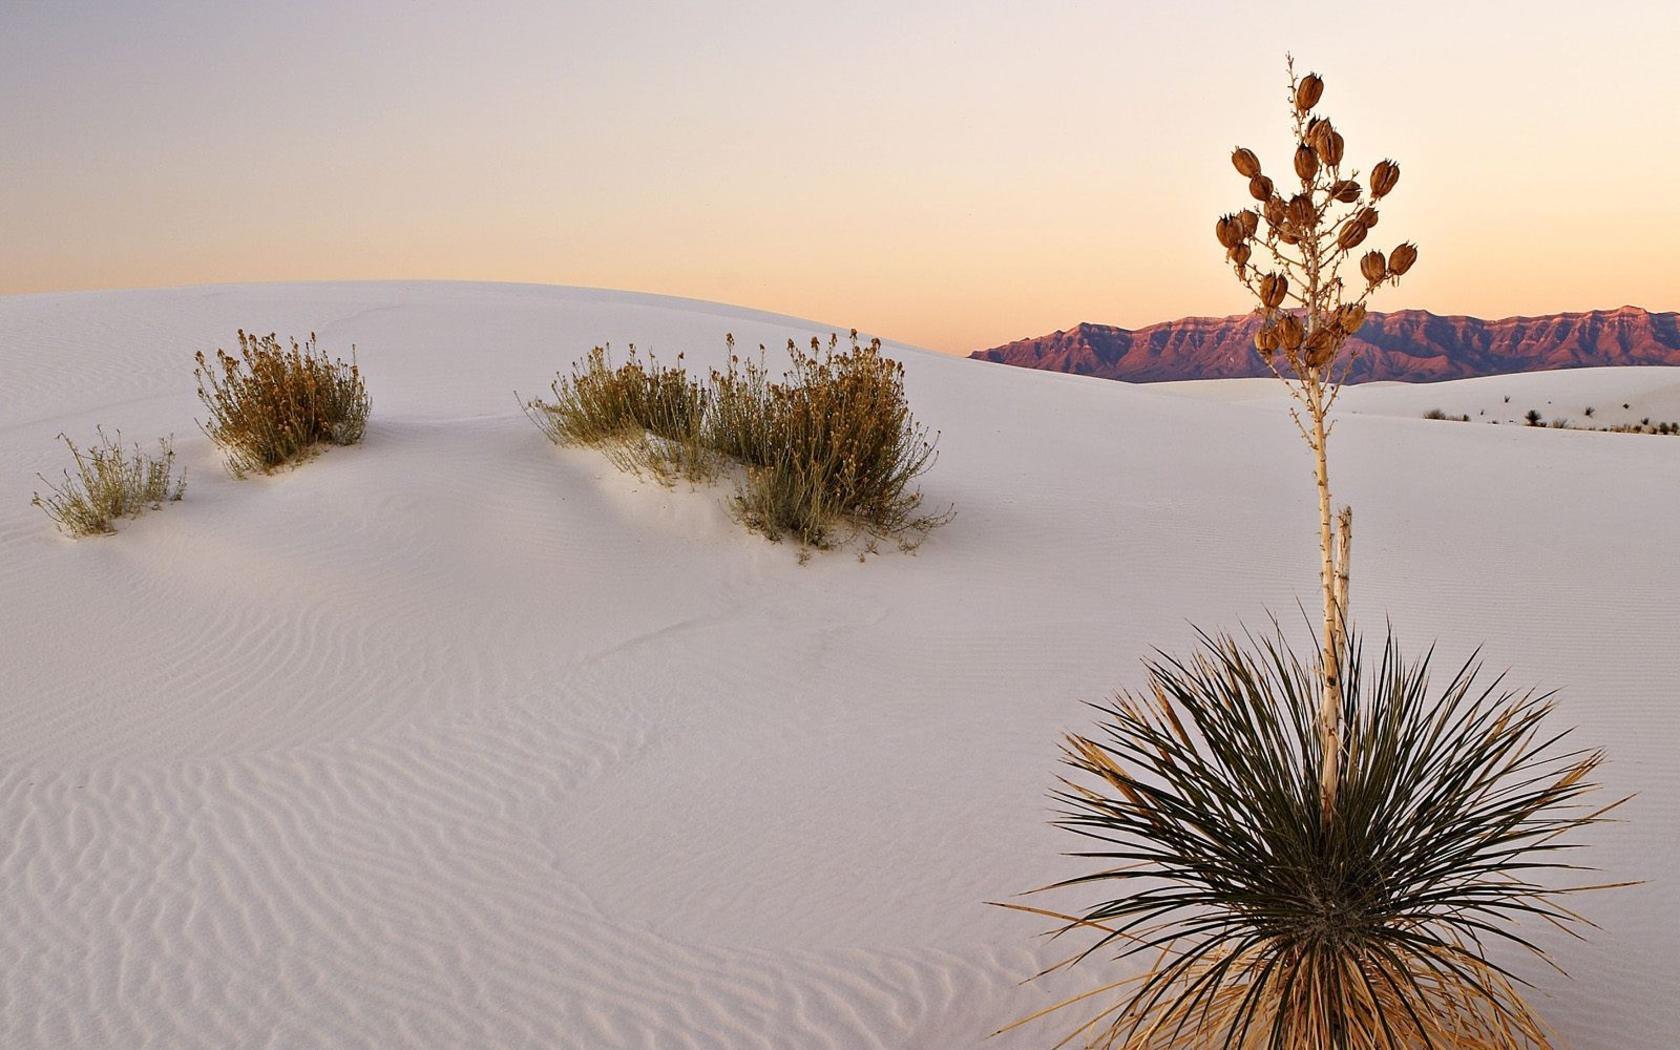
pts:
[457, 739]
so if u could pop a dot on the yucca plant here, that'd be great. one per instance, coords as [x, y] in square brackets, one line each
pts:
[1303, 856]
[270, 404]
[1255, 923]
[109, 482]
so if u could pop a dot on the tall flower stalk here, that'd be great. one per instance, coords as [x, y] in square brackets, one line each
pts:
[1307, 314]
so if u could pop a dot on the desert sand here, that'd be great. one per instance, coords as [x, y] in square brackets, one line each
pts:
[453, 738]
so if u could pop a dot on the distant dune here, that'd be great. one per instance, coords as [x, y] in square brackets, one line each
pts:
[1408, 345]
[456, 739]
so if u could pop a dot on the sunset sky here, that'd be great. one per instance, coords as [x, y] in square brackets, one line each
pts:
[953, 175]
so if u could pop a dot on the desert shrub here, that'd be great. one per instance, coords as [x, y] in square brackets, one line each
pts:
[647, 418]
[1434, 413]
[1267, 926]
[1559, 423]
[1589, 412]
[1533, 417]
[742, 409]
[829, 446]
[271, 405]
[832, 444]
[109, 482]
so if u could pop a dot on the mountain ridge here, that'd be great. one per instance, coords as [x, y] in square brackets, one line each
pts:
[1405, 345]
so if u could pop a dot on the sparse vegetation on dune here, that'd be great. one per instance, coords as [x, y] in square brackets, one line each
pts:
[830, 447]
[644, 416]
[109, 482]
[833, 444]
[271, 404]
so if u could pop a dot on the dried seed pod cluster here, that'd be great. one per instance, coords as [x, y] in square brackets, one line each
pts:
[1289, 247]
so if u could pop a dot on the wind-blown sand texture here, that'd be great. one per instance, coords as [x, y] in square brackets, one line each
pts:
[453, 738]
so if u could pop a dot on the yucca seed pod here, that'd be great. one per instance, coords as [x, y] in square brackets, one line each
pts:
[1332, 147]
[1351, 317]
[1306, 164]
[1301, 211]
[1250, 221]
[1229, 231]
[1318, 128]
[1308, 92]
[1266, 341]
[1276, 210]
[1260, 188]
[1289, 332]
[1321, 347]
[1402, 259]
[1288, 236]
[1246, 163]
[1351, 234]
[1273, 287]
[1346, 191]
[1383, 178]
[1367, 217]
[1239, 255]
[1374, 266]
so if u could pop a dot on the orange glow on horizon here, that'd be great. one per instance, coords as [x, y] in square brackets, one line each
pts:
[949, 175]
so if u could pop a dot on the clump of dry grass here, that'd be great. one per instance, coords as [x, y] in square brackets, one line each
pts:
[1264, 926]
[109, 482]
[829, 447]
[646, 417]
[271, 404]
[832, 445]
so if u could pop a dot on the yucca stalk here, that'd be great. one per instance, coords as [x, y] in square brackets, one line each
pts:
[1307, 314]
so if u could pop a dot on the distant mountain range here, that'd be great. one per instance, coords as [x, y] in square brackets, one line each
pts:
[1410, 345]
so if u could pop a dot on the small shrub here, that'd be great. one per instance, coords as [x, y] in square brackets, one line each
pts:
[1559, 424]
[271, 405]
[646, 418]
[1434, 413]
[830, 445]
[1533, 417]
[109, 483]
[1268, 926]
[1590, 411]
[833, 443]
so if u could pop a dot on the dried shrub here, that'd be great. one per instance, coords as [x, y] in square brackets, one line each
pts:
[1435, 413]
[646, 417]
[832, 445]
[1265, 926]
[109, 482]
[271, 405]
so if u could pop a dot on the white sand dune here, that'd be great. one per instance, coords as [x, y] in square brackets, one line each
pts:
[456, 739]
